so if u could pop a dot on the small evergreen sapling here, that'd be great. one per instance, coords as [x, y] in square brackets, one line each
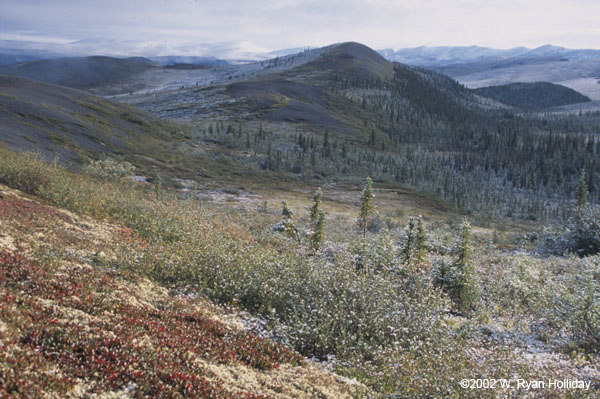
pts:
[314, 209]
[317, 221]
[420, 250]
[465, 292]
[409, 248]
[288, 224]
[366, 206]
[318, 233]
[157, 185]
[457, 278]
[414, 250]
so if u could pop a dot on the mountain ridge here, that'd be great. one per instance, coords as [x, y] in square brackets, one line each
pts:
[440, 56]
[80, 72]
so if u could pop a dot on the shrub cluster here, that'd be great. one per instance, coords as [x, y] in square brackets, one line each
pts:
[580, 234]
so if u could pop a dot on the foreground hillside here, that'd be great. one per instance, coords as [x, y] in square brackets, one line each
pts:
[105, 290]
[73, 326]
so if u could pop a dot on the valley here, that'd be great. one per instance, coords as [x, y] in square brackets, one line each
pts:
[477, 257]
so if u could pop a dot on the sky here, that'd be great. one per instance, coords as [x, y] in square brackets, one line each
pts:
[280, 24]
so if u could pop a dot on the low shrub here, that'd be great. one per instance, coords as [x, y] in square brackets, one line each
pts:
[580, 234]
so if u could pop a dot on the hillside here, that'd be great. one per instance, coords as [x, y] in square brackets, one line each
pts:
[317, 94]
[339, 113]
[75, 126]
[537, 95]
[75, 329]
[344, 111]
[109, 290]
[477, 66]
[80, 72]
[353, 60]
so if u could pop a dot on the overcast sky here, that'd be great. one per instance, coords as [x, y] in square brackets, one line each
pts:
[278, 24]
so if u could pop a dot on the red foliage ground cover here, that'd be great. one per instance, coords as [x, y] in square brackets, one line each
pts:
[13, 207]
[152, 352]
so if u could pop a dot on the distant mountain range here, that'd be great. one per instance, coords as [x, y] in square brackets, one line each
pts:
[18, 51]
[481, 66]
[473, 66]
[448, 55]
[13, 51]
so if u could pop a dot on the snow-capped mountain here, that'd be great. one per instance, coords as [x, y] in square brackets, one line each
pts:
[445, 55]
[448, 55]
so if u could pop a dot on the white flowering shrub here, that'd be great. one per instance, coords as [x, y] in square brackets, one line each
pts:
[110, 169]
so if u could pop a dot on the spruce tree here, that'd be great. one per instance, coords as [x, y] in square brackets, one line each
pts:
[157, 185]
[420, 250]
[316, 206]
[409, 248]
[464, 292]
[582, 191]
[286, 212]
[269, 163]
[289, 226]
[318, 233]
[366, 206]
[317, 221]
[385, 256]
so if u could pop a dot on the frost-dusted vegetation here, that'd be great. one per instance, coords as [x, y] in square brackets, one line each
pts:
[413, 128]
[408, 310]
[538, 95]
[471, 251]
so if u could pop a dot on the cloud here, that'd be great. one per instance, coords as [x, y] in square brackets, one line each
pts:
[292, 23]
